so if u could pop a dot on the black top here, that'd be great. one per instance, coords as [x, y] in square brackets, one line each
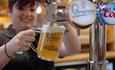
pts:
[26, 61]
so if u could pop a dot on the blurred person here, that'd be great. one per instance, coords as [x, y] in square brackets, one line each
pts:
[23, 14]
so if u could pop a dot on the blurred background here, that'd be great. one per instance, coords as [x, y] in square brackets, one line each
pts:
[5, 20]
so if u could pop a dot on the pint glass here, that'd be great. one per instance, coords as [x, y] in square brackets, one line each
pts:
[50, 42]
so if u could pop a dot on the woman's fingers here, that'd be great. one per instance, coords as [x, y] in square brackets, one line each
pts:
[25, 39]
[28, 38]
[21, 42]
[27, 44]
[29, 33]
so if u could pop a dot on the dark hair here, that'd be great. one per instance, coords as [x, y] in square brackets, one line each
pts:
[20, 3]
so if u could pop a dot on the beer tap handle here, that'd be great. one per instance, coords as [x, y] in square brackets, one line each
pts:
[51, 12]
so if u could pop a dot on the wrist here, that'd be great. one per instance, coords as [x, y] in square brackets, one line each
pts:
[9, 53]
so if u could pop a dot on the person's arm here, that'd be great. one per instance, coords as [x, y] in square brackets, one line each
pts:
[21, 42]
[71, 42]
[6, 54]
[3, 57]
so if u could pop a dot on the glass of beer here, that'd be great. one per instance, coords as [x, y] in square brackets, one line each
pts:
[50, 42]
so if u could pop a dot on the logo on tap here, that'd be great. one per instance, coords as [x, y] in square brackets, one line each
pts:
[107, 13]
[82, 12]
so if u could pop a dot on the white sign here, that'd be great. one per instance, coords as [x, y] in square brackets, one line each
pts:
[82, 12]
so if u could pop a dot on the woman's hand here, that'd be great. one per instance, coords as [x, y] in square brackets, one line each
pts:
[21, 42]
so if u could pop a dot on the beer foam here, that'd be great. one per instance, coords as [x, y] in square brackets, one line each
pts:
[53, 28]
[44, 27]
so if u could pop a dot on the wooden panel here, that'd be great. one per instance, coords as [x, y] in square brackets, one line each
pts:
[84, 34]
[83, 57]
[5, 19]
[3, 7]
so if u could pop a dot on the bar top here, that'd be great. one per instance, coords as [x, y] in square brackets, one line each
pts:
[83, 57]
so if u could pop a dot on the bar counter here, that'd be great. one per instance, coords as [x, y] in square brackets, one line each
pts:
[78, 59]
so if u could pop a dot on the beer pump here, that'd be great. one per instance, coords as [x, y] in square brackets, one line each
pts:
[105, 17]
[84, 13]
[97, 45]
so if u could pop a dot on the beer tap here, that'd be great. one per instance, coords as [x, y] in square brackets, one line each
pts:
[76, 13]
[51, 11]
[98, 44]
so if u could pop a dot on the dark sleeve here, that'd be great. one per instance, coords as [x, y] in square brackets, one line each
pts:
[3, 39]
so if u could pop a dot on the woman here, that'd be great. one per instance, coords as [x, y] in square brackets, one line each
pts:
[23, 14]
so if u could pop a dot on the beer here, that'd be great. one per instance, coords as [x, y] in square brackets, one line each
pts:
[50, 42]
